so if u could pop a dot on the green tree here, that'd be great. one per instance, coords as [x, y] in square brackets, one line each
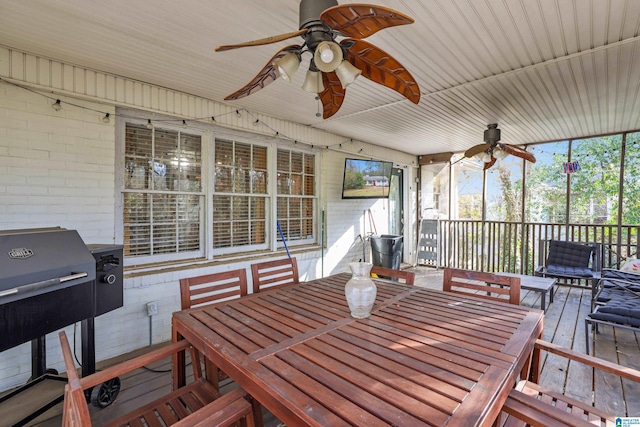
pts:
[353, 180]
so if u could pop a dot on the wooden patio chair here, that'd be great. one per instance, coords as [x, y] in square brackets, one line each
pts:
[479, 284]
[407, 277]
[274, 274]
[531, 404]
[197, 403]
[209, 289]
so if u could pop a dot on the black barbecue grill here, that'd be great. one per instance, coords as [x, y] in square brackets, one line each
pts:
[50, 279]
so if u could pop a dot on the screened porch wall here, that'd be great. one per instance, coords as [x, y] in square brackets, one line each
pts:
[497, 220]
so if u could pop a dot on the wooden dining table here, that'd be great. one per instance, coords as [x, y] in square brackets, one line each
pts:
[423, 357]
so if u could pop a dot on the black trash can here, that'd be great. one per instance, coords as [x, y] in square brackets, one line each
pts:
[386, 251]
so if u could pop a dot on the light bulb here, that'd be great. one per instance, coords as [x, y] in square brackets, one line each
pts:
[184, 124]
[106, 118]
[56, 105]
[149, 125]
[486, 158]
[326, 54]
[499, 153]
[287, 65]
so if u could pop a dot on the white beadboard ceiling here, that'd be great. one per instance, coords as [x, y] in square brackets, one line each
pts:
[542, 69]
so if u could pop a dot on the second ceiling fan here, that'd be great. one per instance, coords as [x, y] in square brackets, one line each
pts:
[493, 149]
[333, 66]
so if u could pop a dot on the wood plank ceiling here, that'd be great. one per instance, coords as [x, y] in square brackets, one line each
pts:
[542, 69]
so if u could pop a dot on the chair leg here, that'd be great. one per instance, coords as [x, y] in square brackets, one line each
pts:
[586, 334]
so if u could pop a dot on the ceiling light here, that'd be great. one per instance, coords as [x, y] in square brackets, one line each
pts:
[486, 157]
[499, 153]
[149, 125]
[106, 118]
[184, 124]
[56, 105]
[347, 73]
[328, 56]
[287, 65]
[313, 82]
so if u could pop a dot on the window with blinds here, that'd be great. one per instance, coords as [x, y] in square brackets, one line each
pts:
[163, 196]
[240, 195]
[296, 195]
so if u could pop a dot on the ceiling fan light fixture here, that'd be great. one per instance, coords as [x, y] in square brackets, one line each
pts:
[313, 82]
[347, 73]
[499, 153]
[486, 157]
[328, 56]
[287, 65]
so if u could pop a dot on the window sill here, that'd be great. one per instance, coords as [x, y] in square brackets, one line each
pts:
[148, 269]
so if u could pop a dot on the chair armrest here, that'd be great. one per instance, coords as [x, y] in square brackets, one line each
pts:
[132, 364]
[594, 362]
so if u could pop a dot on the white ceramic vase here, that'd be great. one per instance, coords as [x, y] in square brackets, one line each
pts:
[360, 290]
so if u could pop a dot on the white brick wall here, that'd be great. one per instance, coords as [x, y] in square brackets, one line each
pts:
[57, 169]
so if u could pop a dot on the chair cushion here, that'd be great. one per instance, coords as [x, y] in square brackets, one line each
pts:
[620, 310]
[609, 292]
[631, 265]
[570, 254]
[564, 270]
[609, 273]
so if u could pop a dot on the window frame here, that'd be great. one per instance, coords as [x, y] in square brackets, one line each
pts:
[209, 133]
[302, 240]
[267, 196]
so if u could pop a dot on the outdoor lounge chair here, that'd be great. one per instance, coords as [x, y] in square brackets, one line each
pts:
[570, 260]
[616, 303]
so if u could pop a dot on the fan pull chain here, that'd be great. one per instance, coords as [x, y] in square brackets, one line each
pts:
[318, 113]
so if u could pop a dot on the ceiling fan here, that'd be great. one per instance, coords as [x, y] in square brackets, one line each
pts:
[492, 149]
[334, 65]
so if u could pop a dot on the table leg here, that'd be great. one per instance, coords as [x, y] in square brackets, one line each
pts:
[543, 301]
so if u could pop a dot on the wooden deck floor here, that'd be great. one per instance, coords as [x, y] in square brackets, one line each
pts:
[564, 325]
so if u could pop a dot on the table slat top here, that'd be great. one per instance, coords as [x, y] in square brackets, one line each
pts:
[423, 357]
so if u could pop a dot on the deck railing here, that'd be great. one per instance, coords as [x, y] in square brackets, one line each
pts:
[498, 246]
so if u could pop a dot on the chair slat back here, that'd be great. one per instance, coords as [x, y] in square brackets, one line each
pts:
[274, 274]
[212, 288]
[408, 277]
[479, 284]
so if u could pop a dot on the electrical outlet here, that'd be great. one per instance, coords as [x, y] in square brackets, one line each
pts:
[152, 308]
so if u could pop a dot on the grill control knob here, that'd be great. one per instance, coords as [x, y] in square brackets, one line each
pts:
[109, 278]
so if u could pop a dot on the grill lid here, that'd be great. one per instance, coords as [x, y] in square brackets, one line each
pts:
[36, 261]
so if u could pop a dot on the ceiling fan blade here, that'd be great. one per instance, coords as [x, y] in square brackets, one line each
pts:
[489, 164]
[518, 152]
[332, 96]
[259, 42]
[382, 68]
[266, 76]
[477, 149]
[362, 20]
